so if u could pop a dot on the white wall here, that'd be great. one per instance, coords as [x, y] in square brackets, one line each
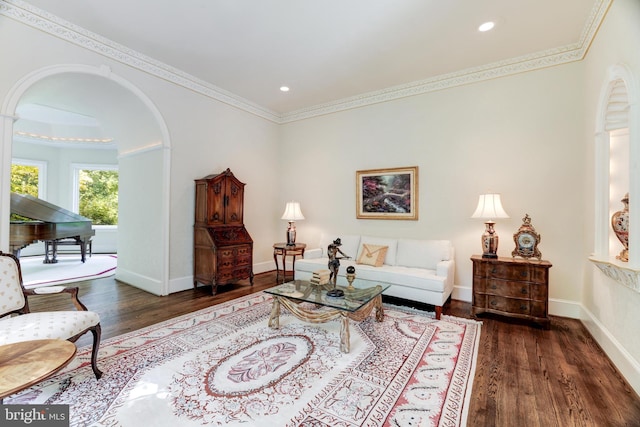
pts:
[611, 311]
[521, 136]
[209, 137]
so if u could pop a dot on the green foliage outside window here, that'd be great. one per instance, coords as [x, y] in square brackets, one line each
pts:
[24, 180]
[99, 196]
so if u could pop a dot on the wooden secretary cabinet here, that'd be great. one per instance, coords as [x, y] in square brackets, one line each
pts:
[222, 247]
[511, 287]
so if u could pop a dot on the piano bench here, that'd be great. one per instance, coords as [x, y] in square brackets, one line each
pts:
[70, 241]
[73, 242]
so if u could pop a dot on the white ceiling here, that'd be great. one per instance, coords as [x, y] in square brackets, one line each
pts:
[329, 50]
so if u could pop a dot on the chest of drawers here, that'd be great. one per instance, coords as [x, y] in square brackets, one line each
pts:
[511, 287]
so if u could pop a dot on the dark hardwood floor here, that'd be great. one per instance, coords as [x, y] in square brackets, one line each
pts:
[525, 376]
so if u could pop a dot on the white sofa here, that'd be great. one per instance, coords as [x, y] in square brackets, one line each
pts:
[418, 270]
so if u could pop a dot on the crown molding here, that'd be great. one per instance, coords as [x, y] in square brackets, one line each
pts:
[22, 11]
[535, 61]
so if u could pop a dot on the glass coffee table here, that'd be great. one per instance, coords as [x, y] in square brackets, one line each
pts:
[356, 304]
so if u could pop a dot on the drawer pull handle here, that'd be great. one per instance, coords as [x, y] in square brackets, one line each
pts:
[524, 291]
[494, 270]
[523, 307]
[523, 273]
[493, 303]
[494, 286]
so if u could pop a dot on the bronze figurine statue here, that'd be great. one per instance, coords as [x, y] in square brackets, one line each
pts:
[334, 265]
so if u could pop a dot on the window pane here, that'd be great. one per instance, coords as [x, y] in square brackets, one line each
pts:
[24, 179]
[99, 196]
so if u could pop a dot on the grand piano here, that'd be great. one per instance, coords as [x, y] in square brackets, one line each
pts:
[49, 223]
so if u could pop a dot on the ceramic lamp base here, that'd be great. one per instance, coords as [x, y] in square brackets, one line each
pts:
[291, 234]
[489, 241]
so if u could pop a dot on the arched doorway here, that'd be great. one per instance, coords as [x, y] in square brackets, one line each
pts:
[142, 142]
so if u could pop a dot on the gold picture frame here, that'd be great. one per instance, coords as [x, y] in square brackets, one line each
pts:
[387, 193]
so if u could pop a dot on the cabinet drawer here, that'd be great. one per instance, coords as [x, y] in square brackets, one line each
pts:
[508, 305]
[503, 271]
[231, 274]
[539, 309]
[539, 291]
[229, 252]
[539, 274]
[232, 262]
[225, 275]
[503, 288]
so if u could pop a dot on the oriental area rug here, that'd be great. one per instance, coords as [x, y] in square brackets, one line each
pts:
[68, 269]
[223, 366]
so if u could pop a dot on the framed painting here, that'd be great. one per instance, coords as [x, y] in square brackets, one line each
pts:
[387, 193]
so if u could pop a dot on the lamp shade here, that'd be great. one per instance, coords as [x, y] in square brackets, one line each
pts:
[292, 212]
[489, 207]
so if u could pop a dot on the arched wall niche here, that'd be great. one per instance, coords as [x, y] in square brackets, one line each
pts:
[617, 155]
[143, 244]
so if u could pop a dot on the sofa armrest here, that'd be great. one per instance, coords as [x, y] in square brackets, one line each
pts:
[313, 253]
[446, 269]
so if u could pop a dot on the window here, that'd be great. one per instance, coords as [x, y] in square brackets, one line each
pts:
[96, 193]
[27, 177]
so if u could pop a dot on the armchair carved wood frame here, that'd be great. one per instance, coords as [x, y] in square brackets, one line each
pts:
[18, 323]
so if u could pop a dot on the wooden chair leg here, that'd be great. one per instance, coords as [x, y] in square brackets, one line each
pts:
[438, 311]
[96, 331]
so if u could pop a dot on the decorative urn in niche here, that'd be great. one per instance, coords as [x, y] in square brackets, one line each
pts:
[620, 224]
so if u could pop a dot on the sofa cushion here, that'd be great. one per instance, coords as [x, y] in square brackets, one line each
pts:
[422, 253]
[46, 325]
[372, 255]
[392, 244]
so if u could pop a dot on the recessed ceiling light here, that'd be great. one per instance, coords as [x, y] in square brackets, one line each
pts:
[486, 26]
[284, 88]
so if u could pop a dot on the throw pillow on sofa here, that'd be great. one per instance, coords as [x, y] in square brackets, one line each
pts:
[372, 255]
[390, 259]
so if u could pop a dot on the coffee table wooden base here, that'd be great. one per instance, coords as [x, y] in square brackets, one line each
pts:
[323, 316]
[26, 363]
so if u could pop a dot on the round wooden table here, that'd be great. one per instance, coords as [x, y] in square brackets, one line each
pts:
[26, 363]
[284, 250]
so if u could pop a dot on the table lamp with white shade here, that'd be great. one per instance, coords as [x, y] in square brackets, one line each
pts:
[292, 213]
[489, 208]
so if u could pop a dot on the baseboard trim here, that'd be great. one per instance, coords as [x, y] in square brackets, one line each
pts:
[565, 308]
[628, 366]
[138, 281]
[185, 283]
[462, 293]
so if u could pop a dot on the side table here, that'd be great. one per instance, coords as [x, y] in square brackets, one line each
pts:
[26, 363]
[284, 250]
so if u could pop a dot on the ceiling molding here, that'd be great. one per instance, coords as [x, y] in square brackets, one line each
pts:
[22, 11]
[535, 61]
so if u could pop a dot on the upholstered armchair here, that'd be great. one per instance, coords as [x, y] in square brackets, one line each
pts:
[18, 323]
